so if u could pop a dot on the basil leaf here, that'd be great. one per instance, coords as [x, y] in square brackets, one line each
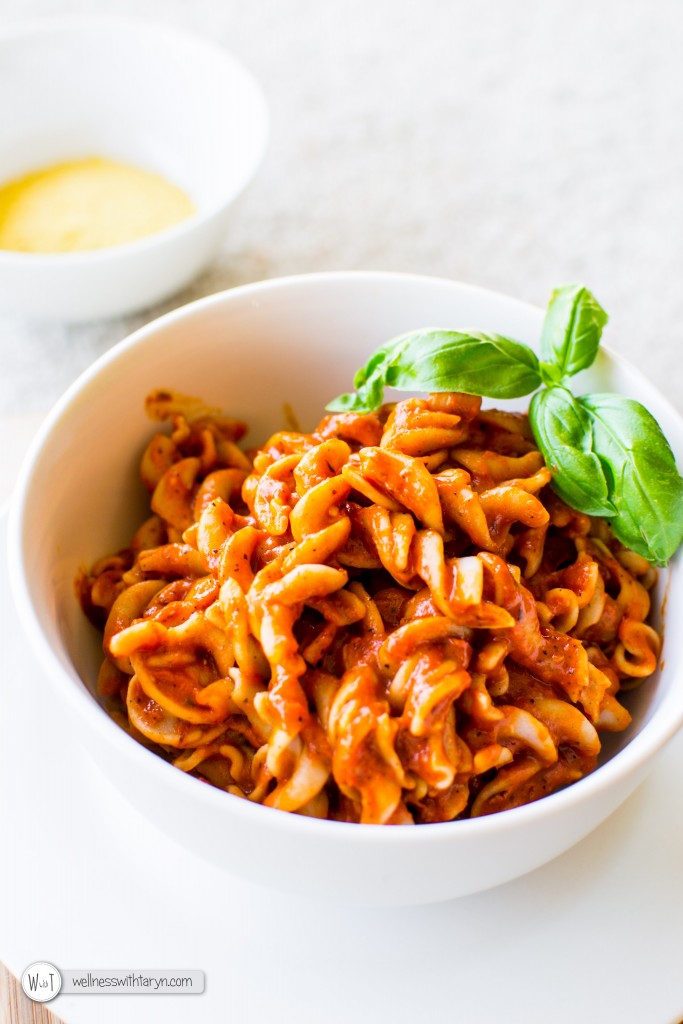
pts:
[562, 430]
[375, 366]
[571, 331]
[370, 380]
[438, 360]
[478, 364]
[354, 401]
[647, 490]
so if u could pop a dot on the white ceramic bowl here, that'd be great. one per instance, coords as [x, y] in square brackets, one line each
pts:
[143, 94]
[249, 350]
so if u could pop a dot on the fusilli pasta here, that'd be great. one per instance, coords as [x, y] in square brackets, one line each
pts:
[390, 620]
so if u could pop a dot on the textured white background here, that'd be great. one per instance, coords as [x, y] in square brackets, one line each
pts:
[514, 144]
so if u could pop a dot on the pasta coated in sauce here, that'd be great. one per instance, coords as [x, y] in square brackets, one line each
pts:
[390, 620]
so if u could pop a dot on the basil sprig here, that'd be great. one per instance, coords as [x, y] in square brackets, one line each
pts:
[608, 454]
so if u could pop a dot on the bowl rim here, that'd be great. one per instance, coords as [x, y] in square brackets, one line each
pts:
[148, 29]
[641, 748]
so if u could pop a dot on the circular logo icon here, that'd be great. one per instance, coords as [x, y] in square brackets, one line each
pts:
[41, 982]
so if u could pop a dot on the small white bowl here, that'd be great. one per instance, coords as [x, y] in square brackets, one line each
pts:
[250, 350]
[142, 94]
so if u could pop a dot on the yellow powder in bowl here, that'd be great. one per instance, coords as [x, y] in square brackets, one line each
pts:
[87, 204]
